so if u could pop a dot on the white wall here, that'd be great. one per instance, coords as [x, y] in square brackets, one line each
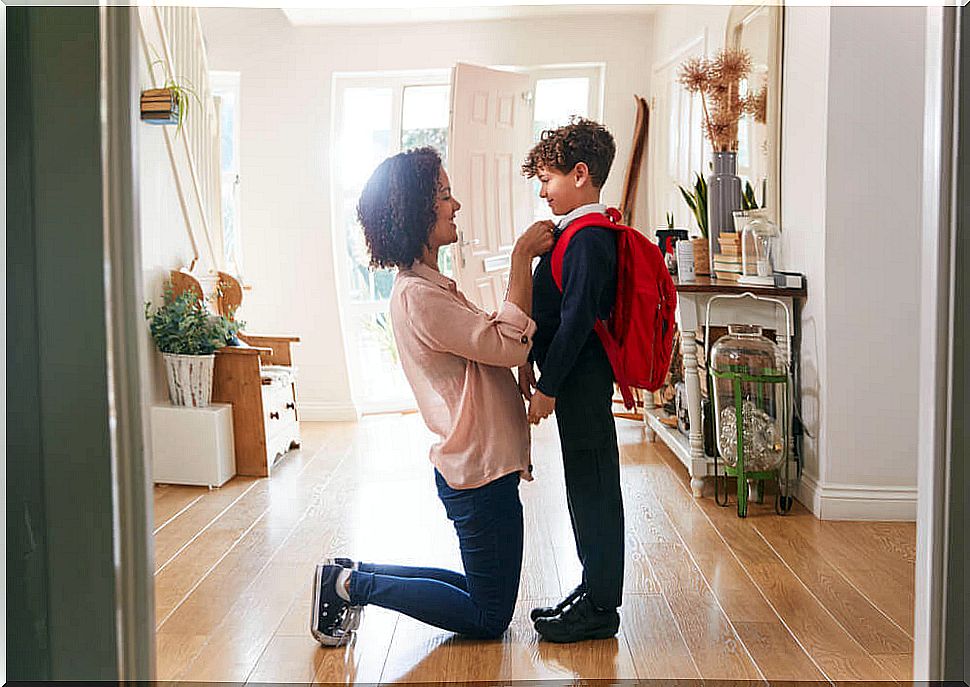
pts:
[803, 190]
[852, 142]
[874, 179]
[165, 242]
[285, 144]
[676, 25]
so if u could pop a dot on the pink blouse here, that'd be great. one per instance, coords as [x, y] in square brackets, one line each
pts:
[457, 358]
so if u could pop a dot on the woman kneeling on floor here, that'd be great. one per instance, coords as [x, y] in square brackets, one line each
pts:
[457, 360]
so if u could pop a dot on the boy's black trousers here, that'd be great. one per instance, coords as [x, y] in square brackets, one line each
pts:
[584, 413]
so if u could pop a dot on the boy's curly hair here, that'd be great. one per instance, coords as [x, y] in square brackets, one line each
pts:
[582, 140]
[397, 207]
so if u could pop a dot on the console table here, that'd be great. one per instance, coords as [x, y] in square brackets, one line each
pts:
[692, 298]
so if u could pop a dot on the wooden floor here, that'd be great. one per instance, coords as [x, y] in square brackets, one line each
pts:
[706, 595]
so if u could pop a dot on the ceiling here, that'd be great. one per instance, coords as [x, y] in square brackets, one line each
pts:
[334, 16]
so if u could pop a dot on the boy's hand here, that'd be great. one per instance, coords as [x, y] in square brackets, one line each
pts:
[527, 380]
[540, 407]
[536, 240]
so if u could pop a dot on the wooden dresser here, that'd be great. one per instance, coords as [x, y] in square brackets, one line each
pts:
[260, 384]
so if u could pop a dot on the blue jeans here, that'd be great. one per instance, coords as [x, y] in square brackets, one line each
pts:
[479, 603]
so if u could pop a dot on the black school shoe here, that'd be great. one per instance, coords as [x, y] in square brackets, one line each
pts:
[328, 611]
[580, 621]
[553, 611]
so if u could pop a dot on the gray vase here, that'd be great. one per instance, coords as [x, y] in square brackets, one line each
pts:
[723, 196]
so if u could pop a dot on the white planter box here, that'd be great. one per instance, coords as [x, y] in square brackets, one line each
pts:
[193, 445]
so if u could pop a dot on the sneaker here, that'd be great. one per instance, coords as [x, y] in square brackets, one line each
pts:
[342, 562]
[352, 617]
[328, 612]
[580, 621]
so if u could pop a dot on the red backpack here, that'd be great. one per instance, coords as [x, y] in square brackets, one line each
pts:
[638, 337]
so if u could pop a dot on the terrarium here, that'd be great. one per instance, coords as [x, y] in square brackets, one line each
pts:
[752, 411]
[759, 248]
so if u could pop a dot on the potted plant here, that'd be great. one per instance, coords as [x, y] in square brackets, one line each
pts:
[718, 81]
[696, 200]
[187, 335]
[168, 104]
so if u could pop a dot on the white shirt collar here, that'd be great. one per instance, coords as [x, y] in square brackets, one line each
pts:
[565, 220]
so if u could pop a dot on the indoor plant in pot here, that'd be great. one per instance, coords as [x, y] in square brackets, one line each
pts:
[718, 80]
[187, 335]
[696, 199]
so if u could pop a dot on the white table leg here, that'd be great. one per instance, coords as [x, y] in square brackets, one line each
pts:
[688, 343]
[648, 405]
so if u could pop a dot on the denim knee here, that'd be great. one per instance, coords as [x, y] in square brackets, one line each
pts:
[494, 625]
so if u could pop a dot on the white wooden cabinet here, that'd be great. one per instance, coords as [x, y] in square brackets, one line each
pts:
[192, 445]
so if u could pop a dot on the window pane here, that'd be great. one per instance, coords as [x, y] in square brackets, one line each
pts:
[424, 118]
[364, 142]
[557, 99]
[365, 136]
[380, 367]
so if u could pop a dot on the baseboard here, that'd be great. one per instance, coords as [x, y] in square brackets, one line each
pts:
[857, 501]
[327, 411]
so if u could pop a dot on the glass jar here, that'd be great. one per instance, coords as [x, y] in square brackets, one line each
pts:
[748, 376]
[759, 240]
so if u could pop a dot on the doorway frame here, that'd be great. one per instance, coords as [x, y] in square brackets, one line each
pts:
[132, 532]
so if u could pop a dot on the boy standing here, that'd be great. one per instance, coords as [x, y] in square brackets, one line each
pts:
[572, 164]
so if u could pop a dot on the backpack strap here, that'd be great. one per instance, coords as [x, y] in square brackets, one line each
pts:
[607, 220]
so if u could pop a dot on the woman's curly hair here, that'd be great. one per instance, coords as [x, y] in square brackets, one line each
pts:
[582, 140]
[397, 207]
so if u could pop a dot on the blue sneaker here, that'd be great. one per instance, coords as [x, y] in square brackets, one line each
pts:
[328, 612]
[352, 619]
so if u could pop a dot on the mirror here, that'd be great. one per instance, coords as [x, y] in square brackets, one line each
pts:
[758, 30]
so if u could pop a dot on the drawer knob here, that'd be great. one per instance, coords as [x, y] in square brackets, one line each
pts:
[291, 406]
[274, 416]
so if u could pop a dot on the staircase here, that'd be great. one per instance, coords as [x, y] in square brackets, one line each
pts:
[174, 49]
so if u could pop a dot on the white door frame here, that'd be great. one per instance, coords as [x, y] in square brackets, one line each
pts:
[936, 342]
[936, 352]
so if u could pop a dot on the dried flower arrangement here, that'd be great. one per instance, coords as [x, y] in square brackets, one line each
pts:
[718, 80]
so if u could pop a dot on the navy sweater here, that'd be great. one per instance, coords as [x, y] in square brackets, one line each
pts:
[565, 320]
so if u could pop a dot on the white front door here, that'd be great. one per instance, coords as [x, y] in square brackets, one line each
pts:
[491, 132]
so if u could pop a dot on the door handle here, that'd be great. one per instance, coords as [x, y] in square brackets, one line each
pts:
[461, 246]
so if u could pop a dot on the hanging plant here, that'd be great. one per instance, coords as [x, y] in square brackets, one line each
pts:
[170, 103]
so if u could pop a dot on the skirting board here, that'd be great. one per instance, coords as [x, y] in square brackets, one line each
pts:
[857, 501]
[327, 411]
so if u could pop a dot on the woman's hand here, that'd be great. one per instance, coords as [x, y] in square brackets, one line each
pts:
[527, 380]
[536, 240]
[540, 407]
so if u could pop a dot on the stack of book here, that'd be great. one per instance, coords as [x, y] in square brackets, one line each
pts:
[159, 106]
[727, 264]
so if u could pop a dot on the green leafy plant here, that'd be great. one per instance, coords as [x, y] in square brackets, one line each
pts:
[181, 89]
[696, 200]
[380, 328]
[670, 220]
[182, 325]
[748, 201]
